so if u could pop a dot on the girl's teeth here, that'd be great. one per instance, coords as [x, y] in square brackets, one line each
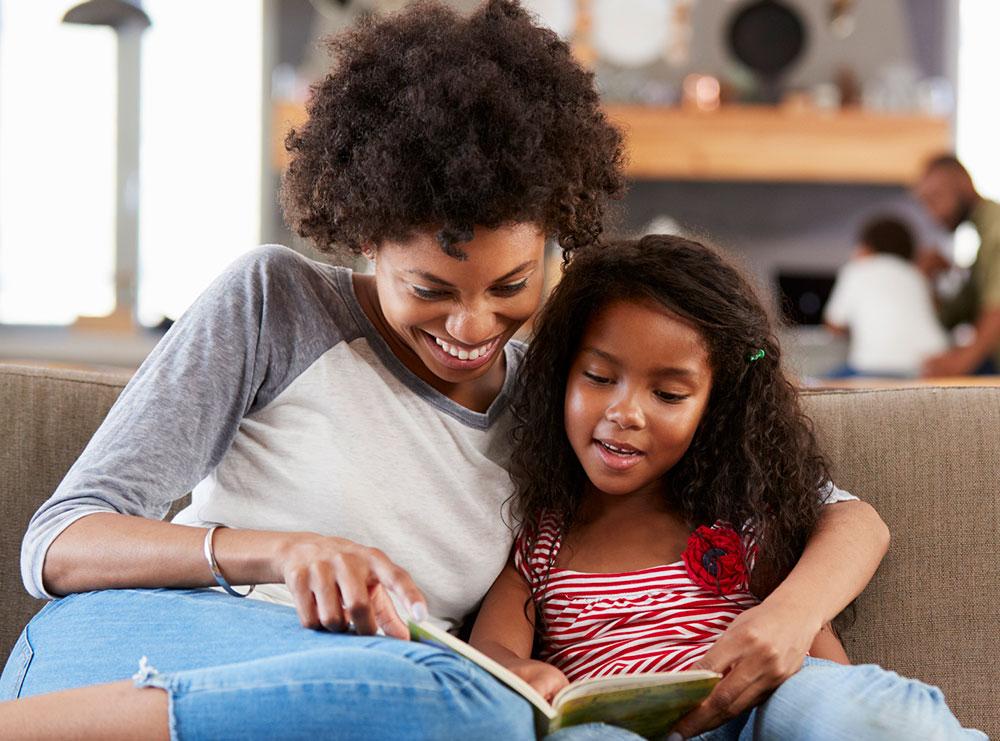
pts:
[474, 355]
[463, 355]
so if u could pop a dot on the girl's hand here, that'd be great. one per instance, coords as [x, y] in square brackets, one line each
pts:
[336, 582]
[762, 648]
[545, 678]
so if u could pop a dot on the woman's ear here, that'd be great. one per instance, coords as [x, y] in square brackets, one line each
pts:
[369, 252]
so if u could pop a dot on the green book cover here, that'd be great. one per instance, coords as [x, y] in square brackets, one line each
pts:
[647, 704]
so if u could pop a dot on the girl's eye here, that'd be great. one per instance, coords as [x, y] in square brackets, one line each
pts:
[668, 397]
[429, 294]
[600, 380]
[511, 288]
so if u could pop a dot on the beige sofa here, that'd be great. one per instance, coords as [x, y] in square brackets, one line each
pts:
[928, 459]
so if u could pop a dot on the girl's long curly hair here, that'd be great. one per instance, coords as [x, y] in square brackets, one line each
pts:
[431, 118]
[754, 458]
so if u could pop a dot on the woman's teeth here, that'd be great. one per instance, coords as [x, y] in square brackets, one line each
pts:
[462, 354]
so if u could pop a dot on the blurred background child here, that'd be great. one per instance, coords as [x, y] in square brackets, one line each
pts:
[884, 303]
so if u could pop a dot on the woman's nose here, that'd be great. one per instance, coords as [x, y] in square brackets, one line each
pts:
[472, 325]
[626, 412]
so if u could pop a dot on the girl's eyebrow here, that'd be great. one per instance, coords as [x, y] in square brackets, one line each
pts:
[666, 370]
[431, 278]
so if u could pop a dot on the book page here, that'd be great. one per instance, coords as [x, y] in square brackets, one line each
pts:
[600, 685]
[648, 709]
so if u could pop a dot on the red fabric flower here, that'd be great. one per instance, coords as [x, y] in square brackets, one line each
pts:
[715, 559]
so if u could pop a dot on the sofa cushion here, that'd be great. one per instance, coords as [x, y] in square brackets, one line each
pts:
[928, 459]
[49, 415]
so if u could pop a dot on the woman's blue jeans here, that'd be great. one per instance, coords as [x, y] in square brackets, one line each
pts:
[247, 669]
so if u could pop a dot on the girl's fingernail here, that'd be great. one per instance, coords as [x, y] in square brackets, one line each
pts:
[419, 612]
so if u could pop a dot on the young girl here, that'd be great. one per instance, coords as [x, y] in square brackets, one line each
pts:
[668, 480]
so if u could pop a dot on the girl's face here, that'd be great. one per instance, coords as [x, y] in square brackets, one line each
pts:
[457, 315]
[637, 389]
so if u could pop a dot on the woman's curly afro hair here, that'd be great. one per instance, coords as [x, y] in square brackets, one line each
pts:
[431, 119]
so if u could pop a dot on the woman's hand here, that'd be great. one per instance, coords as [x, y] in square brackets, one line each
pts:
[762, 648]
[336, 582]
[545, 678]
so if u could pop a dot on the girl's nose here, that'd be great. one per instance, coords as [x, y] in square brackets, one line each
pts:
[626, 413]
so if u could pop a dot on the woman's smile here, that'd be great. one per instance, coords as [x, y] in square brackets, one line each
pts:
[461, 357]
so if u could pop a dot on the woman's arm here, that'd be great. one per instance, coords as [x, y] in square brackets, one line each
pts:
[504, 632]
[332, 580]
[826, 645]
[229, 355]
[767, 644]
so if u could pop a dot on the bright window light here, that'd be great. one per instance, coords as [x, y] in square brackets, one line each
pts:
[200, 160]
[978, 114]
[57, 181]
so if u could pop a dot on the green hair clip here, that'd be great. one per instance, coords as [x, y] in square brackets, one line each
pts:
[756, 355]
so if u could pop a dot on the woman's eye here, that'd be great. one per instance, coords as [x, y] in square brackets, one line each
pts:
[429, 294]
[601, 380]
[511, 288]
[668, 397]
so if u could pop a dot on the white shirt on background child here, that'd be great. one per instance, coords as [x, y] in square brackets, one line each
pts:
[885, 303]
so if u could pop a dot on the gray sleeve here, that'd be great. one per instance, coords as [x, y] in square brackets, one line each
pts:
[830, 493]
[178, 415]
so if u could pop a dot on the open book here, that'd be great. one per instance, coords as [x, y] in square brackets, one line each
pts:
[647, 704]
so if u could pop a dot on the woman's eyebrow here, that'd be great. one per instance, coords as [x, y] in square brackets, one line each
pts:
[431, 278]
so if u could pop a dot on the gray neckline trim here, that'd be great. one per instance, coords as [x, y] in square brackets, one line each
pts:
[476, 420]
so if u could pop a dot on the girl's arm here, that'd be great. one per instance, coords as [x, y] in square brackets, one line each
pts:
[767, 644]
[504, 632]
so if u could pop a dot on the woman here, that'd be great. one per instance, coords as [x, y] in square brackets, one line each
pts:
[350, 431]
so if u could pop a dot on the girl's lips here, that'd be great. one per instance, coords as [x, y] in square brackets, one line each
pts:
[450, 361]
[617, 461]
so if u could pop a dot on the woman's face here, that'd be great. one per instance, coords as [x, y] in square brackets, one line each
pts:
[636, 392]
[457, 315]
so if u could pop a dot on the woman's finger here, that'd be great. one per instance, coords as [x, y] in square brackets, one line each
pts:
[297, 581]
[385, 614]
[399, 582]
[327, 595]
[353, 578]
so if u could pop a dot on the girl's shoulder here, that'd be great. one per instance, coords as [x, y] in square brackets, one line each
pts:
[536, 545]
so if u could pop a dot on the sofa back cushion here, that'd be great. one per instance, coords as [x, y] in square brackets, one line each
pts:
[928, 459]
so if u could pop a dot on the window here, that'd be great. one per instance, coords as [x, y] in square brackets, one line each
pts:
[57, 182]
[978, 114]
[200, 156]
[200, 162]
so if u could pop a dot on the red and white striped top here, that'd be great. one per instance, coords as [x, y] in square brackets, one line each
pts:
[597, 625]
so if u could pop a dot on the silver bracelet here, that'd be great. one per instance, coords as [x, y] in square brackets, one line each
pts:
[214, 565]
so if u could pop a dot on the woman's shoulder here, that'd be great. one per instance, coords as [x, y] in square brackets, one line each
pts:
[292, 293]
[277, 263]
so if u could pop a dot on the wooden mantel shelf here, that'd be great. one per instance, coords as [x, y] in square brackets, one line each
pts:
[778, 145]
[756, 143]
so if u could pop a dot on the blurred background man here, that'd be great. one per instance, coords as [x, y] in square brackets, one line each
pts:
[947, 192]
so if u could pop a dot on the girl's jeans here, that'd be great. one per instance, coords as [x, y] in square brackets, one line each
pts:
[246, 669]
